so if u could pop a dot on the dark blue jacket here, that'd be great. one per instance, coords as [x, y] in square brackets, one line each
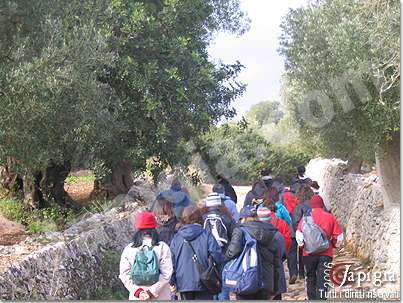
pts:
[185, 272]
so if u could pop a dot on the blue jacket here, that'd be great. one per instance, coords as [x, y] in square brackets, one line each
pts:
[231, 206]
[185, 273]
[282, 213]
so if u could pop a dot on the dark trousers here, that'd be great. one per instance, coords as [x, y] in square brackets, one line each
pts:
[196, 295]
[260, 295]
[295, 261]
[315, 276]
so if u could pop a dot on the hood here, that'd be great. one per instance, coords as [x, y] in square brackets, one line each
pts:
[263, 232]
[191, 231]
[176, 187]
[175, 197]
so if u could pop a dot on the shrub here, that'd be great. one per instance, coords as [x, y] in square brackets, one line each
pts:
[12, 210]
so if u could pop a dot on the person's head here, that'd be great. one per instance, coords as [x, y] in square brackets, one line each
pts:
[146, 225]
[176, 184]
[220, 178]
[163, 209]
[315, 185]
[301, 170]
[271, 195]
[191, 215]
[317, 202]
[218, 188]
[248, 213]
[258, 187]
[304, 193]
[266, 172]
[264, 214]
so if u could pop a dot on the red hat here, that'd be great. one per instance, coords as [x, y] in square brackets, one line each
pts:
[317, 202]
[145, 220]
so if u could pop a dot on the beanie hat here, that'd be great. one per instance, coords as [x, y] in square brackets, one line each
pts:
[212, 200]
[264, 214]
[145, 220]
[247, 211]
[317, 202]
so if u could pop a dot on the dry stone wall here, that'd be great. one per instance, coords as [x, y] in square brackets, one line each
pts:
[371, 223]
[71, 265]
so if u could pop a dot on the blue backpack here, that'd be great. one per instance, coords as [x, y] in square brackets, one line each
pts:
[243, 274]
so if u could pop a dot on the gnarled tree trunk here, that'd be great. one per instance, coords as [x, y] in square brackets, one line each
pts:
[40, 188]
[9, 179]
[354, 165]
[388, 167]
[118, 182]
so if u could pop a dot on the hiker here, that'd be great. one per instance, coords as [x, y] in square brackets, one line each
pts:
[229, 190]
[317, 263]
[191, 247]
[177, 197]
[296, 266]
[267, 213]
[283, 238]
[146, 280]
[256, 193]
[267, 178]
[272, 196]
[219, 189]
[299, 179]
[268, 252]
[167, 222]
[218, 220]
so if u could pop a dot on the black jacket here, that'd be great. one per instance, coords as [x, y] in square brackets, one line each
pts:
[167, 230]
[269, 250]
[229, 190]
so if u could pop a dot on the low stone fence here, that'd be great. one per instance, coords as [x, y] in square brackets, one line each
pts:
[371, 223]
[72, 264]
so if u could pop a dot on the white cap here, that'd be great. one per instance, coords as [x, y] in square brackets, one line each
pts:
[213, 199]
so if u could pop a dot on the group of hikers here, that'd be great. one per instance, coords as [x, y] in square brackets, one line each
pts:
[210, 251]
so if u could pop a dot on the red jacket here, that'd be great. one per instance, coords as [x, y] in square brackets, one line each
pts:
[290, 202]
[283, 228]
[329, 225]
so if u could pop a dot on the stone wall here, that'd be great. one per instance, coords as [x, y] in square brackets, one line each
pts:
[69, 265]
[372, 227]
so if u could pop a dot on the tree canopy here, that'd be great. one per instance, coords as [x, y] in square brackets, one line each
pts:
[342, 77]
[108, 82]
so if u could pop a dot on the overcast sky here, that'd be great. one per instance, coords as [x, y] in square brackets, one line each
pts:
[257, 51]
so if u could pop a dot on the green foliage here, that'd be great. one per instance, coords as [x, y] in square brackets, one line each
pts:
[39, 220]
[98, 82]
[331, 47]
[265, 112]
[241, 153]
[70, 180]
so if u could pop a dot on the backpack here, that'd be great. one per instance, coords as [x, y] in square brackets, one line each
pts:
[216, 226]
[145, 270]
[243, 274]
[315, 239]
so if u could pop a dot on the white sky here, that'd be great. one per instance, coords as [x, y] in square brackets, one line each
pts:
[257, 51]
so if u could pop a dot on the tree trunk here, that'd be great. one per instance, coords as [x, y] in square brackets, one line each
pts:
[9, 179]
[354, 165]
[388, 168]
[41, 188]
[116, 183]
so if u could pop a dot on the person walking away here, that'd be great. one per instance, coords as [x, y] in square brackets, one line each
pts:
[177, 197]
[283, 238]
[229, 190]
[296, 265]
[299, 179]
[218, 220]
[219, 189]
[267, 247]
[190, 245]
[267, 178]
[256, 193]
[317, 263]
[167, 223]
[272, 196]
[146, 264]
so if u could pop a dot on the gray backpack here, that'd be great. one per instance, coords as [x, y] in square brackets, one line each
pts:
[315, 239]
